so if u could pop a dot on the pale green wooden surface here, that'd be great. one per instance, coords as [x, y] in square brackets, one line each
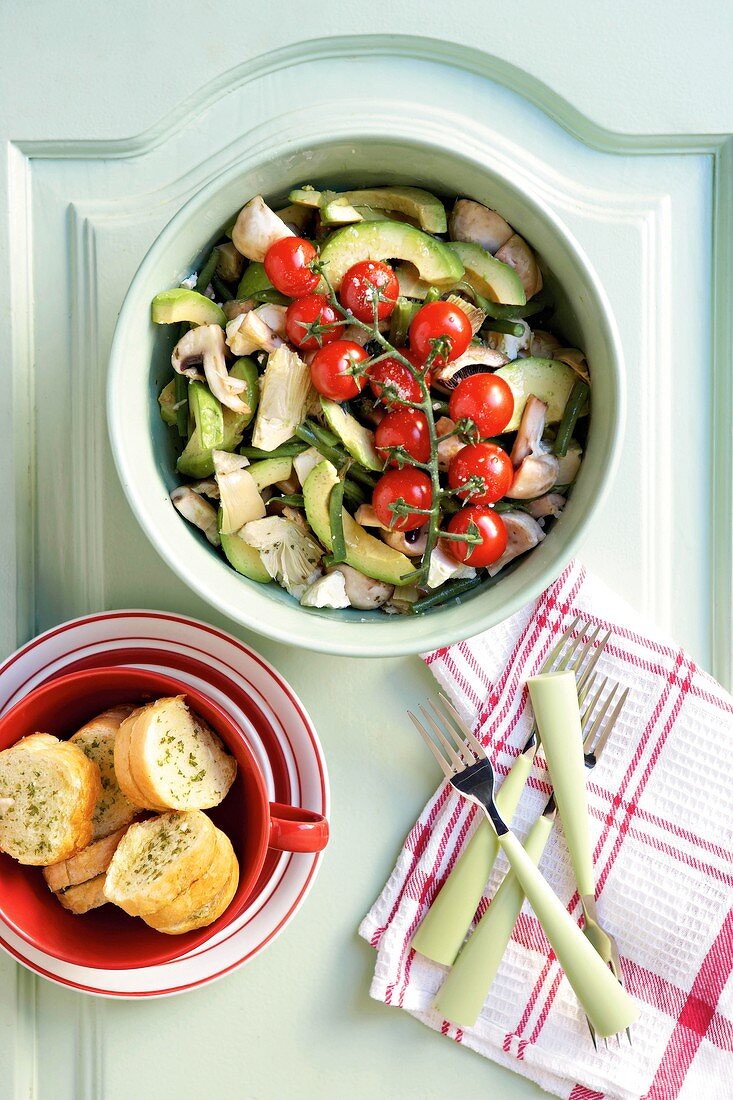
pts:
[112, 120]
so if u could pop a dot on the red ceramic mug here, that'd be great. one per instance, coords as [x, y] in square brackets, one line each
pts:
[107, 938]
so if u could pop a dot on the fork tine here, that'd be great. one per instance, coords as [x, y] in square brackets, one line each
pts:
[591, 706]
[442, 762]
[583, 694]
[588, 640]
[594, 659]
[470, 736]
[599, 719]
[456, 759]
[549, 662]
[610, 723]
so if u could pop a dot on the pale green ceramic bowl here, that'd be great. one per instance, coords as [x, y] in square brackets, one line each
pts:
[140, 366]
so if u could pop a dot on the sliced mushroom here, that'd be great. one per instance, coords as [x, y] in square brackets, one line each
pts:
[543, 344]
[447, 448]
[229, 262]
[535, 468]
[411, 543]
[274, 317]
[363, 592]
[250, 332]
[206, 344]
[447, 377]
[472, 221]
[444, 567]
[257, 228]
[575, 359]
[551, 504]
[476, 316]
[367, 517]
[517, 253]
[237, 307]
[197, 511]
[206, 488]
[523, 533]
[569, 464]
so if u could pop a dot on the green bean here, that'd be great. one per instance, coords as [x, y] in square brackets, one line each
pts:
[336, 521]
[271, 297]
[323, 433]
[354, 495]
[333, 454]
[507, 313]
[432, 295]
[400, 321]
[295, 500]
[285, 450]
[221, 290]
[447, 592]
[206, 274]
[512, 328]
[573, 408]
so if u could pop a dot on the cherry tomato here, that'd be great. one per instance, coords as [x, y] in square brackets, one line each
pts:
[286, 266]
[302, 313]
[490, 527]
[330, 370]
[406, 428]
[489, 464]
[485, 399]
[391, 372]
[440, 321]
[411, 485]
[358, 288]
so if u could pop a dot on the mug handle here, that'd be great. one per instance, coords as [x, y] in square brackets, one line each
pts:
[293, 829]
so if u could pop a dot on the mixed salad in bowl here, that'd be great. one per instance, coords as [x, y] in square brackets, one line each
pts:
[369, 405]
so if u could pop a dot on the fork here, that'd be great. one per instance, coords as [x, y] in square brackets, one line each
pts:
[465, 989]
[465, 764]
[445, 925]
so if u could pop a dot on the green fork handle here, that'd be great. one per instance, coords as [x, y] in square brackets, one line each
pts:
[445, 925]
[555, 703]
[605, 1002]
[464, 991]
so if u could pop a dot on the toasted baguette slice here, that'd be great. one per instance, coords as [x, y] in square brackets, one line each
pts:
[48, 791]
[208, 912]
[158, 859]
[97, 741]
[123, 770]
[85, 896]
[176, 760]
[90, 863]
[202, 892]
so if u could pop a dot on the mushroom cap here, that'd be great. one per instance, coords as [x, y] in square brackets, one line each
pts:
[473, 222]
[363, 592]
[517, 254]
[523, 534]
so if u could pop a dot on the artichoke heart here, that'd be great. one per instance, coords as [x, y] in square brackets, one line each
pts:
[288, 554]
[240, 498]
[285, 396]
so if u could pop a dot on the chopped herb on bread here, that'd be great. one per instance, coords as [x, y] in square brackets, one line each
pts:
[97, 740]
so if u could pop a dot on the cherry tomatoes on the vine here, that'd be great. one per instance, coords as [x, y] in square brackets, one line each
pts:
[444, 322]
[331, 370]
[477, 518]
[287, 266]
[367, 282]
[312, 310]
[412, 486]
[486, 399]
[406, 428]
[390, 372]
[485, 467]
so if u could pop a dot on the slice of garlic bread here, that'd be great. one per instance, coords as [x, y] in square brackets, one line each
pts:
[208, 912]
[123, 770]
[97, 740]
[90, 863]
[158, 859]
[85, 896]
[176, 760]
[48, 791]
[201, 893]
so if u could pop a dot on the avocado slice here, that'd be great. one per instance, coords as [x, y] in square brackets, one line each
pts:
[427, 210]
[488, 276]
[548, 379]
[357, 439]
[243, 557]
[270, 470]
[167, 400]
[196, 460]
[363, 551]
[435, 261]
[181, 304]
[254, 281]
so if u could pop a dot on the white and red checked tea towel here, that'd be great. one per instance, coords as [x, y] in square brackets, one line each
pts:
[661, 806]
